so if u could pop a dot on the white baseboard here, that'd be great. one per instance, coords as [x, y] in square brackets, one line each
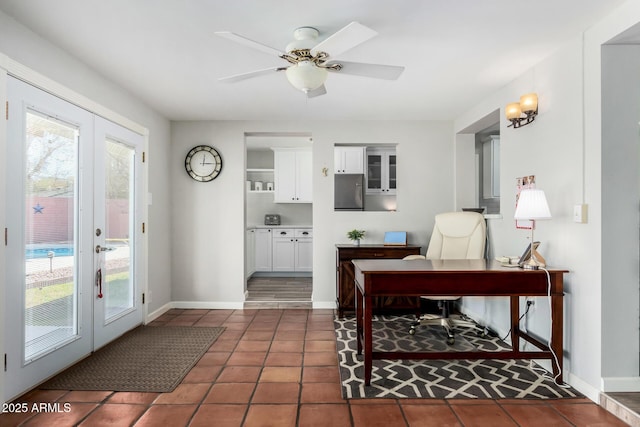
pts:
[209, 305]
[620, 384]
[588, 390]
[324, 305]
[157, 313]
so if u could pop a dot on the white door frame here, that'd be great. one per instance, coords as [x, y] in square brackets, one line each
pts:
[11, 67]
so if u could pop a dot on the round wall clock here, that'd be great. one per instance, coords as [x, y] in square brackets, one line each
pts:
[203, 163]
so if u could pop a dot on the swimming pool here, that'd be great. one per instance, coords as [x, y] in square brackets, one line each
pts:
[43, 252]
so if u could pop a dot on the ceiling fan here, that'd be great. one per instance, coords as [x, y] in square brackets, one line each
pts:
[310, 61]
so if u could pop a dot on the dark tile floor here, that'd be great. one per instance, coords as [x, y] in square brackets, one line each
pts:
[279, 368]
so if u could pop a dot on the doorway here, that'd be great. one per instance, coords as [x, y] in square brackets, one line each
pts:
[72, 237]
[279, 220]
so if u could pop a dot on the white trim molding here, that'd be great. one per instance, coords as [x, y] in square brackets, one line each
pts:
[38, 80]
[620, 384]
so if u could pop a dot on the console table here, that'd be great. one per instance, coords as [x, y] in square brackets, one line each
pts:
[345, 275]
[376, 278]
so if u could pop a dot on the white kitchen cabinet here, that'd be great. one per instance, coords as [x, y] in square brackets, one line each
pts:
[348, 159]
[381, 171]
[292, 176]
[283, 250]
[303, 250]
[263, 247]
[250, 259]
[292, 249]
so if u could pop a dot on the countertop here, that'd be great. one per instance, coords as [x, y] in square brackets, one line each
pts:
[249, 227]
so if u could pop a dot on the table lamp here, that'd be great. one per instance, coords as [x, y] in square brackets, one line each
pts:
[532, 205]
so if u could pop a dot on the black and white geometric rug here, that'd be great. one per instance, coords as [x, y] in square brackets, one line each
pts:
[439, 379]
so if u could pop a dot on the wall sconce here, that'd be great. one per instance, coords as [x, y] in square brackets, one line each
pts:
[528, 106]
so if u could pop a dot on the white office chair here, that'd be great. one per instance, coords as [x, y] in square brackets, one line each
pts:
[456, 235]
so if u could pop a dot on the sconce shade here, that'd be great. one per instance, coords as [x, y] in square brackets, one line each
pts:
[513, 111]
[532, 204]
[528, 106]
[529, 103]
[306, 76]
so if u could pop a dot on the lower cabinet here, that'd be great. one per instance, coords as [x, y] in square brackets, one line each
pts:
[262, 249]
[250, 253]
[303, 257]
[345, 276]
[283, 249]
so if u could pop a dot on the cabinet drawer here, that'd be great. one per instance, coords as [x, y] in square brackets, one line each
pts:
[303, 232]
[283, 232]
[372, 253]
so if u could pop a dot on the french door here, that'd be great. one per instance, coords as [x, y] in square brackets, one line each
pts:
[72, 237]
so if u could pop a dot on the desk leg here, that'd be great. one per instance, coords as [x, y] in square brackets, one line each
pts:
[358, 304]
[368, 338]
[557, 329]
[515, 324]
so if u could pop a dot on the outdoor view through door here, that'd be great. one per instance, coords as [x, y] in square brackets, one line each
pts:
[50, 265]
[119, 221]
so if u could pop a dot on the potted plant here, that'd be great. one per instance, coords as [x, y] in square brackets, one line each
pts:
[356, 235]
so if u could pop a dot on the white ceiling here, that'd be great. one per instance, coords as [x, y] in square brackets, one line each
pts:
[165, 52]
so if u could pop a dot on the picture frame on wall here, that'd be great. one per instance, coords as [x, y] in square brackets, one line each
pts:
[524, 183]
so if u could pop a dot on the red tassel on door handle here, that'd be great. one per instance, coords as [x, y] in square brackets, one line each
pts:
[99, 282]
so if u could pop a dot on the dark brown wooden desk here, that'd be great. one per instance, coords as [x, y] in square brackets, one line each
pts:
[390, 277]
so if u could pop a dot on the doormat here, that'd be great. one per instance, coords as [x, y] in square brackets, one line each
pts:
[437, 379]
[146, 359]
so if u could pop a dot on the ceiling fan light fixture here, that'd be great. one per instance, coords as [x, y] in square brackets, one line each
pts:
[304, 38]
[306, 76]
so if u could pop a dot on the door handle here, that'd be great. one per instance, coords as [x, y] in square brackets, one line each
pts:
[99, 282]
[103, 249]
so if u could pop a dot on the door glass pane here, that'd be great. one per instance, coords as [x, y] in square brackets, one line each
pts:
[50, 196]
[119, 197]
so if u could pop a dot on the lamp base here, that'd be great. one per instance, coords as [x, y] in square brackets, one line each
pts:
[530, 267]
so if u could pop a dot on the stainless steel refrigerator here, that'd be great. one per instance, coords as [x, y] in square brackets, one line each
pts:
[349, 192]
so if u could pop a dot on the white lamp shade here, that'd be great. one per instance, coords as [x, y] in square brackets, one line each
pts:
[306, 76]
[532, 204]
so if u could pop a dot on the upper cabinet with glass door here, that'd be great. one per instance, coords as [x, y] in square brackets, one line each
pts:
[381, 170]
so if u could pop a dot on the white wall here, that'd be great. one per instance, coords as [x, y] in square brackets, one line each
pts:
[563, 150]
[620, 215]
[207, 235]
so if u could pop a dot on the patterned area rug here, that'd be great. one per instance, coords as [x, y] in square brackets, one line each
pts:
[146, 359]
[441, 379]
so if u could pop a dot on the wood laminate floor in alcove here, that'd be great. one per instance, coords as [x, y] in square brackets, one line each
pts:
[279, 292]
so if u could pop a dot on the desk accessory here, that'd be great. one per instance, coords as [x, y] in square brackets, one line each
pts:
[356, 235]
[532, 205]
[395, 238]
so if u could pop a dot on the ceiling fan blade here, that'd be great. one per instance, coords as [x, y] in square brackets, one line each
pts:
[345, 39]
[248, 42]
[317, 92]
[376, 71]
[250, 74]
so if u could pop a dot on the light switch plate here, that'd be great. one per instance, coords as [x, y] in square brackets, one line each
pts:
[580, 213]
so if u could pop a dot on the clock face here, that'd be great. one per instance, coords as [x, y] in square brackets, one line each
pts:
[203, 163]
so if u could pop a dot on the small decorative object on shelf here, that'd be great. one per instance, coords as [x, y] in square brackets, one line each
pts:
[356, 236]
